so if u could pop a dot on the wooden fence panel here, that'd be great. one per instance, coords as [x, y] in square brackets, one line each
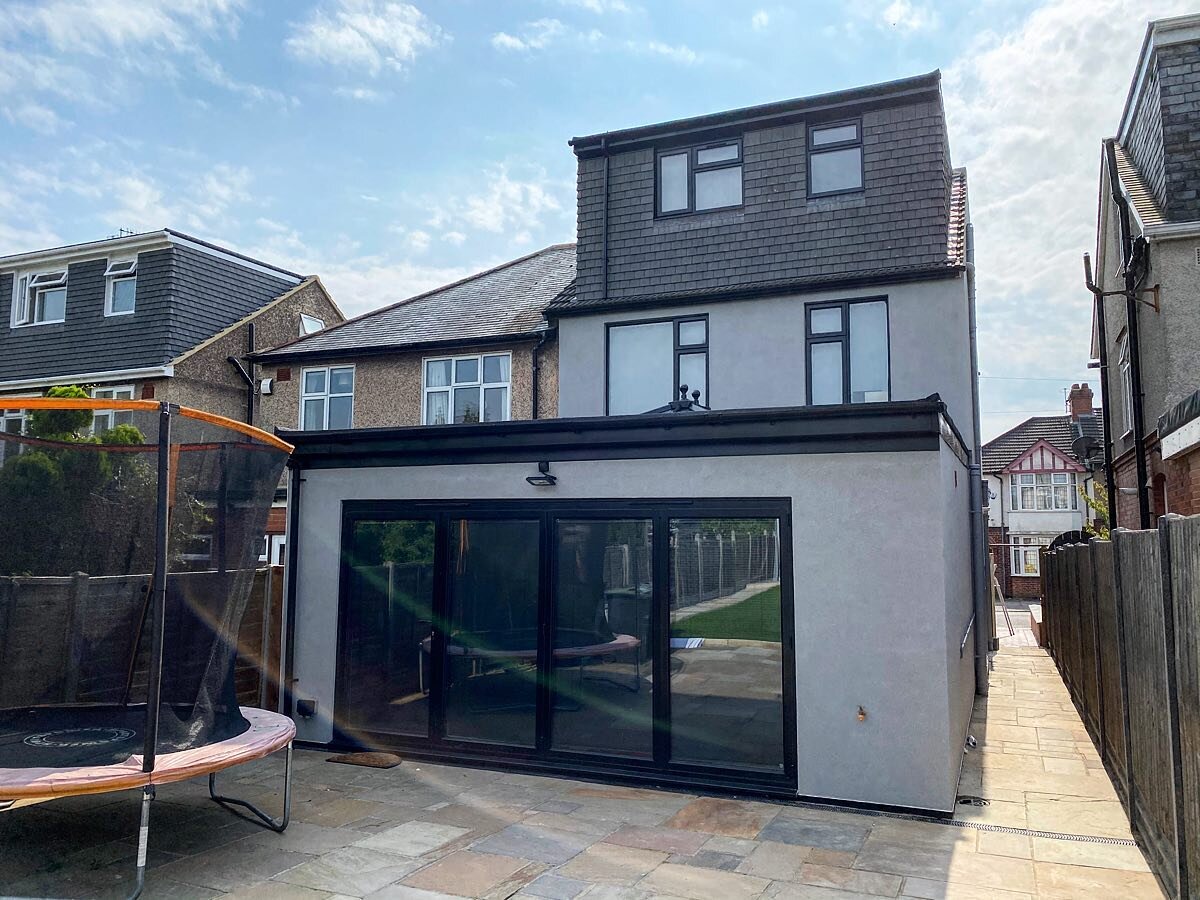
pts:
[1108, 639]
[1088, 656]
[1152, 803]
[1184, 538]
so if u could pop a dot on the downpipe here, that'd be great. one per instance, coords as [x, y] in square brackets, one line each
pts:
[980, 582]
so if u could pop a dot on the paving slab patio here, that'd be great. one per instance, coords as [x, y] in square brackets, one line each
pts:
[430, 832]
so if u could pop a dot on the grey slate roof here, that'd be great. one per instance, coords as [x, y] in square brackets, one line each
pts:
[508, 300]
[1058, 431]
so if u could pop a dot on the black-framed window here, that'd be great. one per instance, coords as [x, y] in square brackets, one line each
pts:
[835, 158]
[698, 179]
[649, 360]
[848, 359]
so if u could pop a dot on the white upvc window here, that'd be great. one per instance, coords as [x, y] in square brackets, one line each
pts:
[1043, 491]
[327, 398]
[39, 298]
[120, 287]
[1126, 373]
[310, 324]
[104, 419]
[12, 421]
[463, 389]
[1027, 555]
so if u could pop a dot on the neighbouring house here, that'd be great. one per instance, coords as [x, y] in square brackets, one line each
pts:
[478, 350]
[159, 315]
[1035, 473]
[1147, 333]
[748, 551]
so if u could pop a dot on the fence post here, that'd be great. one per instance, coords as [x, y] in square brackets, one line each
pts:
[1099, 659]
[1168, 601]
[1123, 652]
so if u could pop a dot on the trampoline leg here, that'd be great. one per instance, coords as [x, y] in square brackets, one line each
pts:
[274, 824]
[143, 841]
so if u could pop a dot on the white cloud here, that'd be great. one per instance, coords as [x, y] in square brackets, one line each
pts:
[503, 204]
[455, 238]
[34, 116]
[367, 35]
[1027, 112]
[365, 94]
[98, 26]
[678, 53]
[760, 20]
[598, 6]
[908, 17]
[534, 36]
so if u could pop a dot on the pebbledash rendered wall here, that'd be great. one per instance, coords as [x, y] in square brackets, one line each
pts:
[757, 353]
[882, 606]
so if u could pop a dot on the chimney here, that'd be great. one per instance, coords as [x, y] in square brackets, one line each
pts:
[1079, 401]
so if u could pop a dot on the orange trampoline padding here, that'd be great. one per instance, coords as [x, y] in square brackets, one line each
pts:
[267, 733]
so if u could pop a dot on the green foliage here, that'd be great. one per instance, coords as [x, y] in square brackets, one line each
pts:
[123, 436]
[60, 424]
[757, 618]
[1098, 505]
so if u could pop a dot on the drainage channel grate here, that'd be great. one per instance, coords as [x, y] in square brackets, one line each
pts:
[978, 826]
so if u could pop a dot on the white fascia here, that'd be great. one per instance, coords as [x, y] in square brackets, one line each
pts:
[89, 378]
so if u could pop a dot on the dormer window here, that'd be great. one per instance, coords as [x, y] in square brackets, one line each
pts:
[699, 179]
[120, 287]
[835, 158]
[40, 298]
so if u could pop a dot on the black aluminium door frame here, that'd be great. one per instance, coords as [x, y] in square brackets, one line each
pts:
[542, 757]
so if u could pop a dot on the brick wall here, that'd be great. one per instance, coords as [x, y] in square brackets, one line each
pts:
[1026, 587]
[1183, 483]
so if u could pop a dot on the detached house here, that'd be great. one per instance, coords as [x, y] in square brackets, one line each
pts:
[1146, 329]
[1035, 475]
[748, 550]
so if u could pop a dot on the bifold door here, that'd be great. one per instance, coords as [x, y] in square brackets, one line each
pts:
[651, 637]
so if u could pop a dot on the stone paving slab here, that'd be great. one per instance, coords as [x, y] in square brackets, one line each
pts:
[431, 832]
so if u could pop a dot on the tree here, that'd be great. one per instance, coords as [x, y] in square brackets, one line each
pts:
[1098, 505]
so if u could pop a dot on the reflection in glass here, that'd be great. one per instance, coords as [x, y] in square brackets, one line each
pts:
[602, 700]
[693, 371]
[672, 182]
[640, 367]
[868, 352]
[492, 639]
[726, 649]
[825, 371]
[719, 187]
[836, 170]
[388, 616]
[466, 405]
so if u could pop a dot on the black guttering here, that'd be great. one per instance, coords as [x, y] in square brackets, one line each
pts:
[890, 93]
[299, 354]
[901, 426]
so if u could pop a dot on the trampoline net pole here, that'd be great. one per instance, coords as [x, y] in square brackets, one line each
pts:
[161, 539]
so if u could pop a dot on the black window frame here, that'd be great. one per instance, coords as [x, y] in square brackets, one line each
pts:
[693, 166]
[678, 350]
[543, 756]
[837, 145]
[843, 337]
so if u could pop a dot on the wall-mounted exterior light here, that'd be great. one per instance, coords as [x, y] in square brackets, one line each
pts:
[543, 478]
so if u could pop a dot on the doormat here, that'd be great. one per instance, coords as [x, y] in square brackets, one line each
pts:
[371, 760]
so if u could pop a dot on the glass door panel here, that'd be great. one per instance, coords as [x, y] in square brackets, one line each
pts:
[726, 651]
[603, 699]
[387, 619]
[492, 631]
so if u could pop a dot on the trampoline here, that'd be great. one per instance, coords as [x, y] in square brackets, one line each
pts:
[128, 550]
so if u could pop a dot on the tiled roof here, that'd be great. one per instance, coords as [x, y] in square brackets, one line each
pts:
[1139, 194]
[1058, 431]
[506, 300]
[956, 244]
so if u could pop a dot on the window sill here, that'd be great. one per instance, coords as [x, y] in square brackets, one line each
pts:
[117, 315]
[36, 324]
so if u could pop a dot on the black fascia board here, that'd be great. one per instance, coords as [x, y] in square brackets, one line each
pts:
[899, 426]
[716, 125]
[1179, 415]
[575, 307]
[352, 352]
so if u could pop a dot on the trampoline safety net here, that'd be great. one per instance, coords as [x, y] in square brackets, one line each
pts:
[128, 536]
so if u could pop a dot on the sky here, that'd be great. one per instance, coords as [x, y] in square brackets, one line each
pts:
[391, 147]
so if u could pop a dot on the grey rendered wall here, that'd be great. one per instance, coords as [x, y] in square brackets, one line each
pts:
[956, 569]
[900, 219]
[869, 569]
[757, 357]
